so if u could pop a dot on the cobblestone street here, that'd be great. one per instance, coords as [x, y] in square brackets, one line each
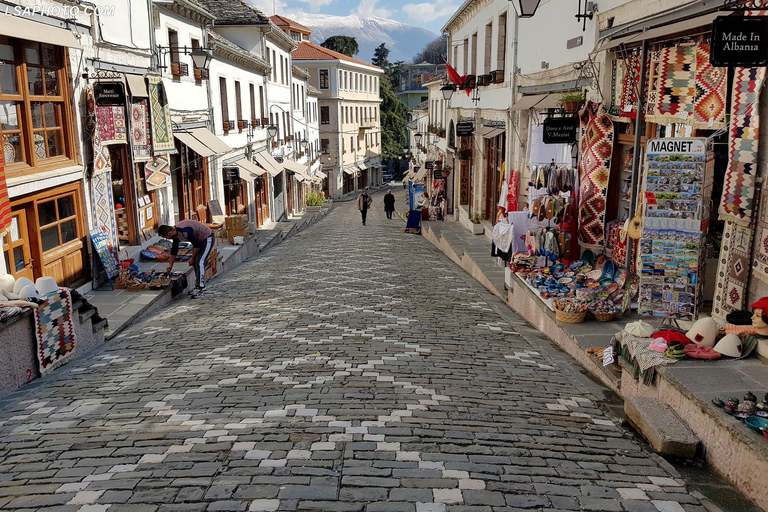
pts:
[351, 368]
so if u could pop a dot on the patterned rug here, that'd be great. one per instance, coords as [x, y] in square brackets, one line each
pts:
[157, 173]
[732, 270]
[595, 171]
[110, 125]
[162, 130]
[101, 160]
[711, 84]
[760, 256]
[5, 201]
[55, 331]
[736, 203]
[652, 91]
[103, 205]
[629, 87]
[676, 85]
[140, 131]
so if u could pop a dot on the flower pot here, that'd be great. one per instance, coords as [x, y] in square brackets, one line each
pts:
[572, 106]
[477, 229]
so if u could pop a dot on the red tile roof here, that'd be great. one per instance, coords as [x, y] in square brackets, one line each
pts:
[311, 51]
[282, 21]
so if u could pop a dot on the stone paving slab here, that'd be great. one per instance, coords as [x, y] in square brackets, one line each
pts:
[351, 368]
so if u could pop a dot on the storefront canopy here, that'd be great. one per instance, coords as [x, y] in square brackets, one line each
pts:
[265, 160]
[488, 132]
[208, 138]
[321, 175]
[657, 32]
[362, 167]
[350, 171]
[249, 168]
[137, 85]
[292, 166]
[421, 174]
[538, 101]
[18, 26]
[192, 143]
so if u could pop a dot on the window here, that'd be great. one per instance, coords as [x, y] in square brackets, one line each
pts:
[341, 78]
[274, 66]
[173, 45]
[282, 71]
[455, 56]
[238, 101]
[262, 106]
[357, 82]
[252, 97]
[343, 146]
[466, 57]
[224, 101]
[487, 53]
[473, 61]
[501, 51]
[58, 222]
[324, 79]
[325, 114]
[351, 144]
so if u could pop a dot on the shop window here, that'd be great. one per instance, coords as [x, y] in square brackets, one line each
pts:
[501, 50]
[325, 114]
[324, 80]
[58, 223]
[34, 120]
[488, 42]
[224, 103]
[238, 105]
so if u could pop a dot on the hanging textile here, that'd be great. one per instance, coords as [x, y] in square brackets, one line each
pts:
[760, 257]
[162, 130]
[732, 270]
[157, 173]
[54, 330]
[711, 90]
[103, 204]
[675, 88]
[629, 87]
[5, 201]
[101, 159]
[595, 171]
[110, 125]
[140, 131]
[736, 203]
[513, 190]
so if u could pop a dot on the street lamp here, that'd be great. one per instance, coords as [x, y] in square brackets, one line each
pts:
[525, 8]
[447, 91]
[201, 57]
[304, 144]
[272, 131]
[417, 138]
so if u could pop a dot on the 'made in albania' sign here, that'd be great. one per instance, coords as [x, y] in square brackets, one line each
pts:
[739, 41]
[560, 130]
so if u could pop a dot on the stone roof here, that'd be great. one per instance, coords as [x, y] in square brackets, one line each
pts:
[424, 105]
[282, 21]
[311, 51]
[234, 12]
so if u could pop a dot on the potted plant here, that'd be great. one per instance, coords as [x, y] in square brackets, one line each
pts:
[477, 227]
[573, 101]
[314, 201]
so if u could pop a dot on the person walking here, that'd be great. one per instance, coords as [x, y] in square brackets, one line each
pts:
[202, 239]
[389, 204]
[363, 203]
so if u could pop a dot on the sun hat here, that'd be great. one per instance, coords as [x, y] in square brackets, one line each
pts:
[46, 285]
[703, 332]
[640, 329]
[6, 283]
[21, 283]
[730, 345]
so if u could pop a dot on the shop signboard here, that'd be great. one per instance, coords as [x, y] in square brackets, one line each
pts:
[109, 93]
[415, 193]
[677, 192]
[739, 41]
[465, 129]
[430, 165]
[560, 130]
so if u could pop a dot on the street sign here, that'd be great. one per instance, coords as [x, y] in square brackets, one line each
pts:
[560, 130]
[739, 41]
[109, 93]
[465, 129]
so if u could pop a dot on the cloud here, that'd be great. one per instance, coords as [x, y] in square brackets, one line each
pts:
[429, 11]
[315, 5]
[270, 7]
[367, 9]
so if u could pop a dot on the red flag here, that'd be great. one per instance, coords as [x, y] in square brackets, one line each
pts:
[454, 77]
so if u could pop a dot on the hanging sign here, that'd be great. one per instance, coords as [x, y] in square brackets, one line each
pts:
[465, 129]
[739, 41]
[430, 165]
[109, 93]
[560, 130]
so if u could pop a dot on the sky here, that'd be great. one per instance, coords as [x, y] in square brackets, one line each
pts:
[431, 14]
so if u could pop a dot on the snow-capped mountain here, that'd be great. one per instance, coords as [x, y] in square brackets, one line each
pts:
[404, 41]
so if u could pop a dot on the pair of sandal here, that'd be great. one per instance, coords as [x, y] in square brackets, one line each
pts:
[552, 207]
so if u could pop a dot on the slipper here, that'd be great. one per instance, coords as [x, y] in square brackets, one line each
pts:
[589, 257]
[718, 403]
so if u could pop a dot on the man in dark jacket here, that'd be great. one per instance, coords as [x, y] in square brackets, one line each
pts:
[363, 203]
[389, 204]
[202, 239]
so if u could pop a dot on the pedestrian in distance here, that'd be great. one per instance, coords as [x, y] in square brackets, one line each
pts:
[389, 204]
[364, 203]
[202, 239]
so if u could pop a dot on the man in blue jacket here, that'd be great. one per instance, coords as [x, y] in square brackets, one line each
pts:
[202, 239]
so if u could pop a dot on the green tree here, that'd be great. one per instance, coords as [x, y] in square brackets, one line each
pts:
[435, 52]
[393, 124]
[342, 44]
[380, 57]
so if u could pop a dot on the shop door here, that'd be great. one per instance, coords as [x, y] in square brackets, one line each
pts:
[122, 190]
[290, 193]
[61, 238]
[279, 199]
[18, 254]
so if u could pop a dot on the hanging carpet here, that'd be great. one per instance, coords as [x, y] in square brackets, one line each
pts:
[157, 173]
[736, 203]
[54, 330]
[675, 88]
[140, 131]
[711, 90]
[110, 125]
[5, 201]
[760, 257]
[103, 205]
[595, 171]
[629, 88]
[162, 130]
[732, 270]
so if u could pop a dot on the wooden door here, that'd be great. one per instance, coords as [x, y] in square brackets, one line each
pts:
[60, 238]
[18, 253]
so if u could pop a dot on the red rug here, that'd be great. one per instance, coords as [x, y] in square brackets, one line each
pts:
[595, 171]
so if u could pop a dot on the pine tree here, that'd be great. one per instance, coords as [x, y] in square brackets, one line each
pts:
[380, 57]
[342, 44]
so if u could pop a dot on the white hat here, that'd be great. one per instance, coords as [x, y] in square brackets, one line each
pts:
[703, 332]
[46, 285]
[6, 283]
[21, 283]
[639, 329]
[28, 292]
[730, 345]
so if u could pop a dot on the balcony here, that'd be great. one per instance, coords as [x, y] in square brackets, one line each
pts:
[179, 69]
[367, 124]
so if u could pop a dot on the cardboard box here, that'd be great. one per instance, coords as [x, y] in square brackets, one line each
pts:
[236, 222]
[245, 233]
[212, 265]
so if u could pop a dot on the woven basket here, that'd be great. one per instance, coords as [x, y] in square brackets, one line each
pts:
[136, 288]
[159, 284]
[570, 318]
[601, 316]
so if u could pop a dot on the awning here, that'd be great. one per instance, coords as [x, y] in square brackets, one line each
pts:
[665, 30]
[268, 163]
[208, 138]
[321, 175]
[421, 174]
[251, 169]
[362, 167]
[300, 176]
[137, 85]
[192, 143]
[349, 171]
[23, 28]
[488, 132]
[529, 101]
[292, 166]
